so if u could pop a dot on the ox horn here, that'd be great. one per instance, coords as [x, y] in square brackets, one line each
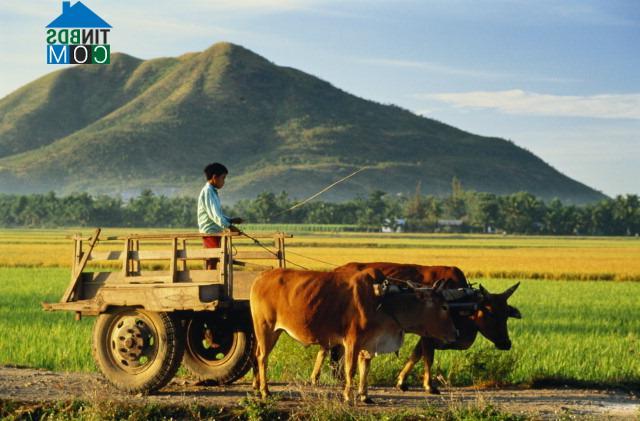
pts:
[484, 292]
[511, 290]
[414, 285]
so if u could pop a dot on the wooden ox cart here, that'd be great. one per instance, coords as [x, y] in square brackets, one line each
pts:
[157, 307]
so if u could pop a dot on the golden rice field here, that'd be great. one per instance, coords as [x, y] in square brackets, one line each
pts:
[480, 256]
[582, 333]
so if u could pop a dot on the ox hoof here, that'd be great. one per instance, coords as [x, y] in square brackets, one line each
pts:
[433, 391]
[366, 399]
[402, 386]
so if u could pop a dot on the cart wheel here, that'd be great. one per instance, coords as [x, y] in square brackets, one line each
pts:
[138, 351]
[218, 351]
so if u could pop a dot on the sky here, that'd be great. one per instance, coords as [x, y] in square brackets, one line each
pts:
[558, 78]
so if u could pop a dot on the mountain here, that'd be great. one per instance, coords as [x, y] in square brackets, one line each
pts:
[137, 124]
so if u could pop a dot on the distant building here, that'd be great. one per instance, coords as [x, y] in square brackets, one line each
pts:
[450, 225]
[450, 222]
[394, 225]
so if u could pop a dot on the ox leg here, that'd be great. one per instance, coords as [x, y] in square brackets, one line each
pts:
[266, 339]
[315, 374]
[428, 352]
[415, 356]
[350, 362]
[364, 363]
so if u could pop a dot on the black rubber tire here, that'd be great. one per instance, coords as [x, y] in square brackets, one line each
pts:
[230, 356]
[155, 336]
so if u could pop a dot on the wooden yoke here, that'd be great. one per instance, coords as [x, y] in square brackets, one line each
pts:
[78, 267]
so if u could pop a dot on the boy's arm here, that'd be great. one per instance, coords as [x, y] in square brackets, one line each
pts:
[214, 210]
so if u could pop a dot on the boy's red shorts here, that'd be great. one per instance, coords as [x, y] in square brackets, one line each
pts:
[211, 242]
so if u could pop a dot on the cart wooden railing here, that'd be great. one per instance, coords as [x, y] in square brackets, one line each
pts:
[181, 287]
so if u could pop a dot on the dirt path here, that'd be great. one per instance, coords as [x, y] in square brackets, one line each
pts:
[28, 385]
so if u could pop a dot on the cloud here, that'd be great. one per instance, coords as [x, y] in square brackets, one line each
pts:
[457, 71]
[589, 14]
[27, 9]
[620, 106]
[253, 5]
[430, 66]
[133, 25]
[539, 13]
[33, 9]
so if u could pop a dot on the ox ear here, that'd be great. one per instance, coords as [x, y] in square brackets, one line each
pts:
[510, 291]
[515, 313]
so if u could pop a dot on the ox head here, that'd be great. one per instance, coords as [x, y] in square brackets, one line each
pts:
[493, 312]
[435, 315]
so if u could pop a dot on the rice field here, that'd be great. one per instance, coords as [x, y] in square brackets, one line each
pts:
[480, 256]
[580, 332]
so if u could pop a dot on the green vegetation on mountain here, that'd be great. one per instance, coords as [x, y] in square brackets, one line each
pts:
[138, 124]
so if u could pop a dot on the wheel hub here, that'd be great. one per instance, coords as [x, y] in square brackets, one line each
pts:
[130, 339]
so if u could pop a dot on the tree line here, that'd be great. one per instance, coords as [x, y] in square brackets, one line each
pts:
[461, 211]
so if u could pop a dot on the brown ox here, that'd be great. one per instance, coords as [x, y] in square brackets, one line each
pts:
[490, 318]
[331, 308]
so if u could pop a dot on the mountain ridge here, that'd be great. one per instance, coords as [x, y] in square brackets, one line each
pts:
[138, 124]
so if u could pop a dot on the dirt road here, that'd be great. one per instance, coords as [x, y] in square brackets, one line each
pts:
[28, 385]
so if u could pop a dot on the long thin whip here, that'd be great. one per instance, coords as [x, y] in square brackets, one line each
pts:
[329, 187]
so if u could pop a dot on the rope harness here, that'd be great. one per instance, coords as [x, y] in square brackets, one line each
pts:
[457, 299]
[258, 243]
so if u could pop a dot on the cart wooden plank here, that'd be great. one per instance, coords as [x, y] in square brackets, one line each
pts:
[78, 270]
[178, 288]
[249, 255]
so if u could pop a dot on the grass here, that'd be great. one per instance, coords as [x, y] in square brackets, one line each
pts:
[579, 333]
[248, 409]
[32, 337]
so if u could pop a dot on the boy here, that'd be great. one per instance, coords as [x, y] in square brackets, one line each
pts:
[211, 219]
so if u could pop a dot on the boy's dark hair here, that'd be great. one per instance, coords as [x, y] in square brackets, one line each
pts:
[215, 169]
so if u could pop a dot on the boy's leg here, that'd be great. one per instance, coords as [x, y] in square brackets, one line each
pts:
[211, 243]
